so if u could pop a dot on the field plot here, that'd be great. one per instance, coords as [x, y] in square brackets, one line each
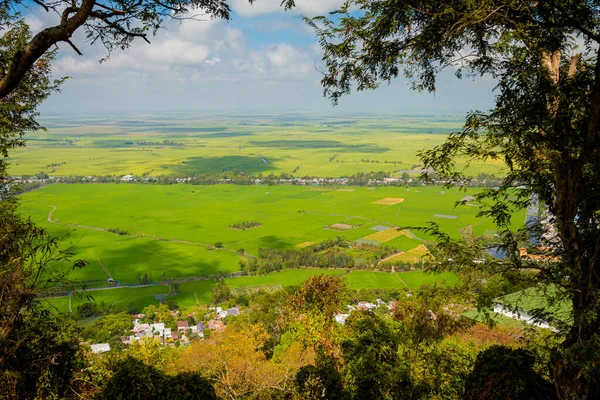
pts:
[340, 227]
[414, 279]
[140, 297]
[413, 255]
[389, 201]
[170, 231]
[194, 292]
[369, 279]
[387, 235]
[285, 278]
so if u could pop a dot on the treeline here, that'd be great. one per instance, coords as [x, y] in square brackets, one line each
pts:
[236, 177]
[332, 253]
[326, 254]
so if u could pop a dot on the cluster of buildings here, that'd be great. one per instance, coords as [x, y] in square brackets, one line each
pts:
[363, 305]
[185, 331]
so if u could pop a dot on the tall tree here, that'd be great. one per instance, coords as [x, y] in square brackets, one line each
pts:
[38, 350]
[544, 126]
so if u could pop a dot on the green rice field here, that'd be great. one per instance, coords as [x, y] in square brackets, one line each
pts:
[183, 144]
[169, 231]
[120, 296]
[198, 292]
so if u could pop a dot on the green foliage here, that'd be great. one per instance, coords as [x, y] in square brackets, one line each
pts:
[245, 225]
[321, 380]
[219, 292]
[373, 368]
[504, 373]
[545, 127]
[143, 381]
[44, 356]
[108, 327]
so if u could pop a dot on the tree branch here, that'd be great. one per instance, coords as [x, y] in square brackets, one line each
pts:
[26, 57]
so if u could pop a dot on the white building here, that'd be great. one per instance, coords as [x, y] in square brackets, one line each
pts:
[100, 348]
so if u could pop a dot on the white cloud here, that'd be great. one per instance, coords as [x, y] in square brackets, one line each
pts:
[212, 61]
[176, 52]
[70, 65]
[305, 7]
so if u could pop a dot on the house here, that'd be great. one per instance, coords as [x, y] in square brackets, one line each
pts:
[365, 305]
[127, 339]
[200, 327]
[222, 314]
[233, 312]
[175, 335]
[100, 348]
[167, 333]
[216, 325]
[341, 318]
[182, 326]
[157, 329]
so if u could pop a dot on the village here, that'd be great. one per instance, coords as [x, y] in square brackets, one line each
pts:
[190, 328]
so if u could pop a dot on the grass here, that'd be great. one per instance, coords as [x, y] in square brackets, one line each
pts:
[169, 231]
[536, 299]
[172, 228]
[191, 293]
[122, 297]
[211, 144]
[290, 277]
[198, 292]
[369, 279]
[414, 279]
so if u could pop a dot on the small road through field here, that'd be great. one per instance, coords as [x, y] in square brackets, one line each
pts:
[104, 269]
[50, 214]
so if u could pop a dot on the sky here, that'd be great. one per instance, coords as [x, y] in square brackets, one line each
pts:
[265, 59]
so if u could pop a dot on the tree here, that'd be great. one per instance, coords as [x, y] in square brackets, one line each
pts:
[115, 24]
[504, 373]
[234, 362]
[544, 126]
[311, 309]
[219, 292]
[144, 381]
[18, 109]
[38, 350]
[372, 365]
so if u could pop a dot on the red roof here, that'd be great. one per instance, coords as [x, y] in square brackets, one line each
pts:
[183, 324]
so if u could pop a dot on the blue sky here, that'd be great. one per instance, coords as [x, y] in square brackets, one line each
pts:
[264, 59]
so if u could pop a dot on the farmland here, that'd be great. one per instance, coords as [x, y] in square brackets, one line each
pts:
[136, 233]
[198, 292]
[169, 231]
[180, 144]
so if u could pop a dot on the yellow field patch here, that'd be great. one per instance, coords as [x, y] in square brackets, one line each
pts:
[387, 235]
[303, 245]
[320, 189]
[346, 190]
[413, 255]
[389, 201]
